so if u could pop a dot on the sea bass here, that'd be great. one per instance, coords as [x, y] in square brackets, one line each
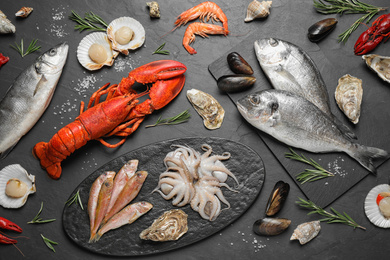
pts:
[29, 96]
[297, 122]
[291, 69]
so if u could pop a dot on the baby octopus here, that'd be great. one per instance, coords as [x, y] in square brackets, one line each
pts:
[186, 155]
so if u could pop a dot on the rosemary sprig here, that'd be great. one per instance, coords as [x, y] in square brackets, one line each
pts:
[309, 175]
[348, 7]
[178, 119]
[49, 243]
[38, 220]
[31, 47]
[75, 198]
[334, 217]
[160, 50]
[88, 22]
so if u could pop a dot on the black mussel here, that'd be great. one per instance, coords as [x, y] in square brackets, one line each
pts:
[271, 226]
[320, 29]
[277, 198]
[235, 83]
[238, 64]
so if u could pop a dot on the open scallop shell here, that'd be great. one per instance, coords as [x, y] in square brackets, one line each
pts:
[371, 208]
[15, 171]
[137, 40]
[83, 48]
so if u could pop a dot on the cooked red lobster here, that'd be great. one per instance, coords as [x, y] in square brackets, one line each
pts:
[6, 224]
[119, 115]
[368, 40]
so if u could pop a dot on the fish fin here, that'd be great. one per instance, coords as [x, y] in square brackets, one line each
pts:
[345, 130]
[365, 156]
[6, 152]
[42, 81]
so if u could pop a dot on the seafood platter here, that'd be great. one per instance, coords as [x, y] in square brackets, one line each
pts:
[145, 129]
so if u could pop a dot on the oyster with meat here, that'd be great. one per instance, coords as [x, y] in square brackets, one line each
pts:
[379, 64]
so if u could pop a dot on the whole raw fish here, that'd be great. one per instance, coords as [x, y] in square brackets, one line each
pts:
[291, 69]
[28, 97]
[297, 122]
[126, 216]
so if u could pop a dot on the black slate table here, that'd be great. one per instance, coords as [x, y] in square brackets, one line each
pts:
[49, 24]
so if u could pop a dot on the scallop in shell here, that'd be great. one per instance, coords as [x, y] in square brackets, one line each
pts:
[371, 207]
[95, 51]
[379, 64]
[15, 186]
[348, 95]
[257, 9]
[170, 226]
[126, 34]
[207, 107]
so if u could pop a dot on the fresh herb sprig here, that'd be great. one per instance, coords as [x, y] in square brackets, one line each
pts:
[31, 47]
[89, 22]
[160, 50]
[178, 119]
[309, 175]
[334, 217]
[49, 243]
[75, 198]
[348, 7]
[38, 220]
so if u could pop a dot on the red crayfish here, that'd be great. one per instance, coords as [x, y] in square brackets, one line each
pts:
[6, 224]
[368, 40]
[119, 115]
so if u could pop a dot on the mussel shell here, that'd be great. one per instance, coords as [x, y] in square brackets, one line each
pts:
[238, 64]
[320, 29]
[271, 226]
[277, 198]
[235, 83]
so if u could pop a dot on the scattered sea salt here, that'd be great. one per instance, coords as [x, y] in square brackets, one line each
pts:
[57, 27]
[336, 168]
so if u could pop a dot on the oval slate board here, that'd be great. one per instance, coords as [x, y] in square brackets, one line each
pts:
[245, 163]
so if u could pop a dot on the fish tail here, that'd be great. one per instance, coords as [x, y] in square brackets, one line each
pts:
[365, 156]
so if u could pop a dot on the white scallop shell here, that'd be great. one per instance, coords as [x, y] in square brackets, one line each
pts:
[138, 29]
[83, 48]
[371, 208]
[15, 171]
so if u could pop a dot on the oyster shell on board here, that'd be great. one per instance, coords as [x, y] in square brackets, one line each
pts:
[379, 64]
[349, 95]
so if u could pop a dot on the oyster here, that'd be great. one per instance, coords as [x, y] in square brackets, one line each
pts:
[235, 83]
[277, 198]
[306, 232]
[24, 12]
[257, 9]
[154, 9]
[5, 25]
[126, 34]
[170, 226]
[207, 107]
[348, 95]
[271, 226]
[379, 64]
[15, 186]
[320, 29]
[95, 51]
[238, 64]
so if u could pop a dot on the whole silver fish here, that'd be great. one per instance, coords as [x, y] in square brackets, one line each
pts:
[28, 97]
[291, 69]
[297, 122]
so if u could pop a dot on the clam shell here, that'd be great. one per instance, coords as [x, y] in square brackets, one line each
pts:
[207, 107]
[137, 40]
[15, 171]
[24, 12]
[82, 51]
[320, 29]
[238, 64]
[379, 64]
[277, 198]
[349, 95]
[371, 208]
[306, 232]
[257, 9]
[5, 25]
[270, 226]
[235, 83]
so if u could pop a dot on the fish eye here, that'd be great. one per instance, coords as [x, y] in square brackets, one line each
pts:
[273, 42]
[52, 52]
[254, 100]
[274, 107]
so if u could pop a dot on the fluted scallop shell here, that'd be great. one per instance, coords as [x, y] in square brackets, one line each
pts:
[137, 40]
[170, 226]
[207, 107]
[257, 9]
[379, 64]
[349, 95]
[5, 25]
[82, 51]
[24, 12]
[18, 172]
[305, 232]
[371, 208]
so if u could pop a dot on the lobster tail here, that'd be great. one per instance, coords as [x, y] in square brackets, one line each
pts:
[40, 152]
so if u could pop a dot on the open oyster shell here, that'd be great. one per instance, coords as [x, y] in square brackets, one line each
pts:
[170, 226]
[379, 64]
[131, 24]
[349, 95]
[18, 172]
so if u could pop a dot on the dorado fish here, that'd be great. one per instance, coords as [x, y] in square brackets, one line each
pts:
[291, 69]
[28, 97]
[297, 122]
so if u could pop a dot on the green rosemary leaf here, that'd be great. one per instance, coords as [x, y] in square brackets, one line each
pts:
[31, 47]
[160, 50]
[38, 220]
[49, 243]
[90, 22]
[178, 119]
[75, 198]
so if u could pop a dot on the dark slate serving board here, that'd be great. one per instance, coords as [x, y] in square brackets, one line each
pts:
[371, 129]
[245, 163]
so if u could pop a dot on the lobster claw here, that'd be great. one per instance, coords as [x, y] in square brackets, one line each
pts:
[367, 41]
[9, 225]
